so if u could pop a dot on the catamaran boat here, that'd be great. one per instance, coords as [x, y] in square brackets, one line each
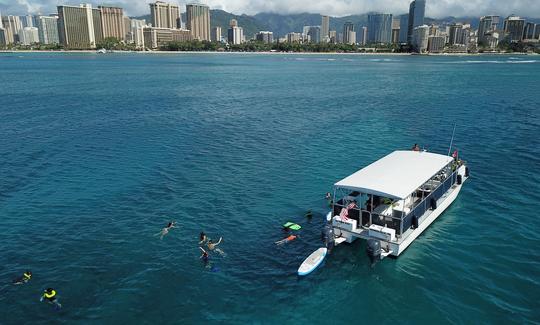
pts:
[393, 200]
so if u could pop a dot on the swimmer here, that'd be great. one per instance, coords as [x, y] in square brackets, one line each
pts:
[212, 246]
[329, 199]
[23, 278]
[308, 214]
[286, 240]
[165, 230]
[204, 256]
[202, 238]
[50, 296]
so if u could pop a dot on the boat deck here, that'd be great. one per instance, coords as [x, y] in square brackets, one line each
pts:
[363, 232]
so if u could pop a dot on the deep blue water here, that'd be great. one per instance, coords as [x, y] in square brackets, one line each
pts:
[99, 152]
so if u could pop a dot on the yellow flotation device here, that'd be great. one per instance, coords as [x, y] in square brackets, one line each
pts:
[27, 276]
[50, 295]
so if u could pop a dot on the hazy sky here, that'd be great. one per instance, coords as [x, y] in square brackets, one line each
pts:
[435, 8]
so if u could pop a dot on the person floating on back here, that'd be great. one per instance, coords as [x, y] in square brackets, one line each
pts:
[165, 230]
[23, 278]
[50, 297]
[286, 240]
[212, 246]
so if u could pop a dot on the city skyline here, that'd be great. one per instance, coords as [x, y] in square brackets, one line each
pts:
[434, 8]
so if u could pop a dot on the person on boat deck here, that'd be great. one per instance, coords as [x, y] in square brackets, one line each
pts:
[344, 214]
[165, 230]
[23, 278]
[286, 240]
[50, 296]
[415, 147]
[202, 238]
[204, 256]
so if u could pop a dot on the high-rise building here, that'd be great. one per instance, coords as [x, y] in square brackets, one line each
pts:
[537, 32]
[265, 37]
[198, 21]
[2, 36]
[235, 34]
[403, 28]
[77, 26]
[164, 15]
[155, 37]
[420, 38]
[126, 21]
[487, 24]
[395, 30]
[417, 10]
[348, 27]
[12, 26]
[325, 28]
[135, 32]
[48, 29]
[436, 44]
[314, 34]
[364, 35]
[528, 32]
[112, 22]
[514, 27]
[215, 35]
[29, 35]
[294, 37]
[28, 21]
[458, 34]
[98, 26]
[380, 28]
[332, 36]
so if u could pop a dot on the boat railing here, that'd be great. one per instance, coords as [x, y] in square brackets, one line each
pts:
[429, 201]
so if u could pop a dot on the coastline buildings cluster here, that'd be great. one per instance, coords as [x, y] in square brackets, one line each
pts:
[85, 27]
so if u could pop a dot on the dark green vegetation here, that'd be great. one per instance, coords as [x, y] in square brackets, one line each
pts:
[111, 43]
[256, 46]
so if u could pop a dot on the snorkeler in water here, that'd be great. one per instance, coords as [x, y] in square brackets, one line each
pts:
[23, 278]
[308, 214]
[203, 239]
[165, 230]
[50, 296]
[286, 240]
[205, 257]
[212, 246]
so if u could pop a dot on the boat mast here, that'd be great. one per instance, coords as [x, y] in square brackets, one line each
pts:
[452, 140]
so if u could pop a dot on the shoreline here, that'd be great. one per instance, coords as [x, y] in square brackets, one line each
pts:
[266, 53]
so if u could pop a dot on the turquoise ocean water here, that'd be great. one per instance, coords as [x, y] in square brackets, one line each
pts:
[99, 152]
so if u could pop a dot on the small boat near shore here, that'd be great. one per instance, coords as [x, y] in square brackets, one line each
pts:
[392, 201]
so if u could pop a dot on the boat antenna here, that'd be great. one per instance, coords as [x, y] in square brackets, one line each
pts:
[452, 140]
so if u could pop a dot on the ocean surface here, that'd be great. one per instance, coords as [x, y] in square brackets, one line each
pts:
[99, 152]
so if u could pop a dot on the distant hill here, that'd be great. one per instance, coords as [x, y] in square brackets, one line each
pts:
[283, 24]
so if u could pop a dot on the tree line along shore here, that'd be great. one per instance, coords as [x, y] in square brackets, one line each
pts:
[112, 44]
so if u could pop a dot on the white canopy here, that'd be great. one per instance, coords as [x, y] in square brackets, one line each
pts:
[396, 175]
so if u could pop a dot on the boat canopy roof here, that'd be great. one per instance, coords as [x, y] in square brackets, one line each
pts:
[396, 175]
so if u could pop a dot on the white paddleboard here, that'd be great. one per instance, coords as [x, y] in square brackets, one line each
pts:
[312, 261]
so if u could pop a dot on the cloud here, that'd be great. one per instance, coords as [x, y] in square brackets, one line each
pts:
[434, 8]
